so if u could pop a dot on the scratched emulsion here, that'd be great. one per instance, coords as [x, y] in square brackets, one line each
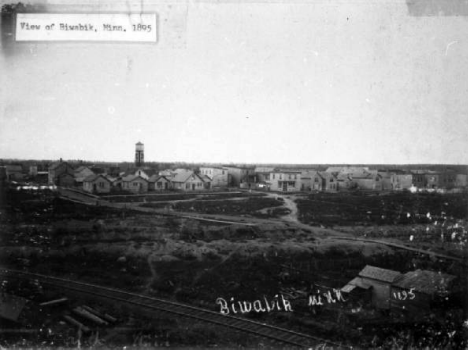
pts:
[421, 8]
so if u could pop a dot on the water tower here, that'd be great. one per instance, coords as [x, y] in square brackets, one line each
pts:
[139, 154]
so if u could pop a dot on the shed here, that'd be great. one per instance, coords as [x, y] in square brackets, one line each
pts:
[419, 291]
[378, 281]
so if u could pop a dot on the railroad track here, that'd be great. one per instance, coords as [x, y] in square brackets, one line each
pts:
[277, 334]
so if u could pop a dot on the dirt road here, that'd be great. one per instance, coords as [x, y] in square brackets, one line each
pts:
[289, 204]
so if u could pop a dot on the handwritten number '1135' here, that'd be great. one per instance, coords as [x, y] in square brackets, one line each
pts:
[405, 295]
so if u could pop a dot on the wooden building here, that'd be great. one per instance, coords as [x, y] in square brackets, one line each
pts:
[420, 291]
[97, 184]
[159, 183]
[135, 184]
[57, 169]
[379, 281]
[187, 180]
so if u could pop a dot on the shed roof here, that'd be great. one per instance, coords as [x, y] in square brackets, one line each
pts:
[379, 274]
[356, 282]
[424, 281]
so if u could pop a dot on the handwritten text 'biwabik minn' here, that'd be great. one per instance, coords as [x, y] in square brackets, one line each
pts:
[276, 304]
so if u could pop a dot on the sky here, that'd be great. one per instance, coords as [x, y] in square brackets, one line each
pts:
[245, 82]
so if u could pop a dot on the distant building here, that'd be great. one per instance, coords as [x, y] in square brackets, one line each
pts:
[139, 154]
[439, 180]
[218, 176]
[312, 181]
[187, 180]
[65, 180]
[135, 183]
[401, 181]
[32, 170]
[81, 173]
[461, 181]
[345, 182]
[60, 168]
[285, 180]
[329, 181]
[97, 184]
[159, 183]
[239, 175]
[14, 172]
[369, 181]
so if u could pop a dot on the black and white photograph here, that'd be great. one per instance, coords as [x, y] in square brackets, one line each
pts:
[234, 174]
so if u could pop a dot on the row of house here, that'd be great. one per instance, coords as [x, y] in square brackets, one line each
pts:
[333, 179]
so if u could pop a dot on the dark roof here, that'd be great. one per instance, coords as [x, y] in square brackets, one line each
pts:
[57, 164]
[379, 274]
[97, 170]
[156, 178]
[183, 176]
[424, 281]
[139, 143]
[94, 177]
[131, 178]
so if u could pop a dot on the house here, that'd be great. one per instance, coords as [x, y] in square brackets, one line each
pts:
[461, 181]
[238, 175]
[312, 181]
[14, 172]
[97, 184]
[345, 182]
[329, 182]
[81, 173]
[187, 180]
[401, 181]
[207, 181]
[135, 183]
[368, 181]
[159, 183]
[421, 290]
[419, 178]
[379, 281]
[263, 173]
[285, 180]
[57, 169]
[65, 180]
[219, 176]
[437, 180]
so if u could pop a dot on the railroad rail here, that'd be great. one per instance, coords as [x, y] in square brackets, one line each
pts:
[277, 334]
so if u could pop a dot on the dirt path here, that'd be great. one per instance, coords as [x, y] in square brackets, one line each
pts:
[288, 204]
